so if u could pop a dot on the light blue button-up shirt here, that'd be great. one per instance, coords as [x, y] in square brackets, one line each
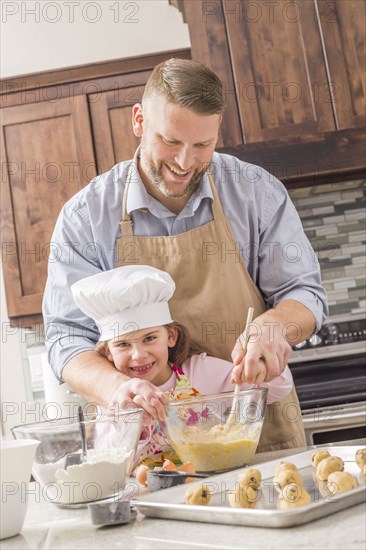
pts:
[265, 224]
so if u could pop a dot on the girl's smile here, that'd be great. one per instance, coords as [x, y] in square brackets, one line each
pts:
[142, 370]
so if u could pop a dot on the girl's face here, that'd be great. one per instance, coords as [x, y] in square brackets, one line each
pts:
[144, 353]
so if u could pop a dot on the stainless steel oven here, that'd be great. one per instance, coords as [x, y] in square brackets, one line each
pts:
[329, 374]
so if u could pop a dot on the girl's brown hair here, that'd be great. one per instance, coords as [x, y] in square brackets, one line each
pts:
[184, 347]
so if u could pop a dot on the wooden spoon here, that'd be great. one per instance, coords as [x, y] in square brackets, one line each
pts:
[244, 343]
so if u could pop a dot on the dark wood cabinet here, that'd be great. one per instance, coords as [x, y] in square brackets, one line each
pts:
[111, 119]
[290, 69]
[342, 25]
[210, 46]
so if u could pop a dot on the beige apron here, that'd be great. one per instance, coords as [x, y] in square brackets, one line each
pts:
[213, 293]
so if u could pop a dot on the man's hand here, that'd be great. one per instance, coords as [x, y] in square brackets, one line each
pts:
[268, 346]
[142, 394]
[264, 359]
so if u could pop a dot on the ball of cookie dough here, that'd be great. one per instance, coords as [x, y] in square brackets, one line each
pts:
[292, 496]
[323, 488]
[328, 466]
[340, 482]
[243, 496]
[360, 458]
[284, 466]
[362, 476]
[285, 477]
[318, 456]
[251, 478]
[198, 494]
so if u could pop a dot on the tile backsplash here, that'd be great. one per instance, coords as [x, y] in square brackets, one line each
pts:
[333, 216]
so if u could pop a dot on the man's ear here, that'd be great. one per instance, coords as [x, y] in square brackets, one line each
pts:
[137, 120]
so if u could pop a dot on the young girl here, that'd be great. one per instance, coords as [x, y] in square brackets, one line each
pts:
[137, 334]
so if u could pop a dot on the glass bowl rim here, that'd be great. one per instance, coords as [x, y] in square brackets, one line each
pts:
[73, 421]
[216, 396]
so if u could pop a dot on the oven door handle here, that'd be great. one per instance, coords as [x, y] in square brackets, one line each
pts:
[333, 417]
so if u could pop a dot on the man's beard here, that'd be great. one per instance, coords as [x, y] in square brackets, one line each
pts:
[155, 173]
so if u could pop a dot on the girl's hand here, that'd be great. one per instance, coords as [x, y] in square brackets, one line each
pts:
[141, 394]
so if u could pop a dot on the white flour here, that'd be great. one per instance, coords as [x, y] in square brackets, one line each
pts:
[103, 475]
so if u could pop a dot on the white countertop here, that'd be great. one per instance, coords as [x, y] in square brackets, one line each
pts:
[50, 527]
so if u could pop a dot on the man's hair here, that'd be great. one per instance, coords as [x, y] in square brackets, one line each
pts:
[188, 84]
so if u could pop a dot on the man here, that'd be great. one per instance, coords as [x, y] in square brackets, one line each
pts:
[226, 231]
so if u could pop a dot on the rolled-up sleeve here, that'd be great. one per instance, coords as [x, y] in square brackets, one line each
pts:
[288, 268]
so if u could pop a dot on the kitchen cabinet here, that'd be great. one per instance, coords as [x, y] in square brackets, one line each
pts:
[111, 119]
[342, 25]
[289, 68]
[58, 131]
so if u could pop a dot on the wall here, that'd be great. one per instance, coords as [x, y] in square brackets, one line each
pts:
[38, 36]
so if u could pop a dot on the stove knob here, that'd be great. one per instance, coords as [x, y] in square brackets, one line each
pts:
[300, 345]
[315, 341]
[329, 334]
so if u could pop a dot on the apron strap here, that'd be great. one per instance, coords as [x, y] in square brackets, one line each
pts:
[217, 210]
[126, 221]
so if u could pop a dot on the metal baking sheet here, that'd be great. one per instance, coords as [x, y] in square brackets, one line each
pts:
[169, 503]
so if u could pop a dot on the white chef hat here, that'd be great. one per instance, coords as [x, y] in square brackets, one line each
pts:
[125, 299]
